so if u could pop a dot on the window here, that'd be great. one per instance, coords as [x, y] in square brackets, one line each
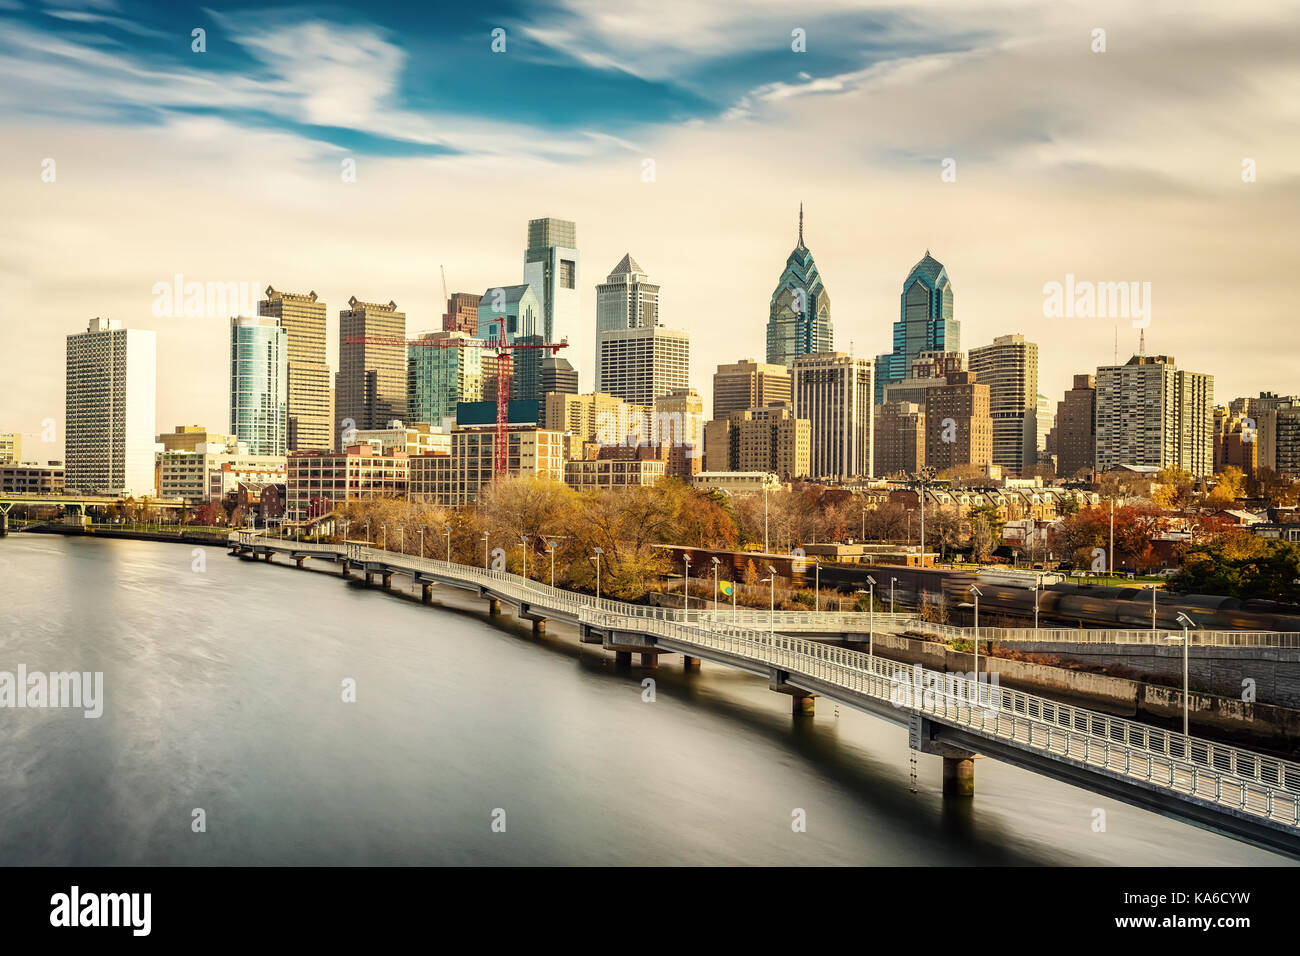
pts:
[566, 273]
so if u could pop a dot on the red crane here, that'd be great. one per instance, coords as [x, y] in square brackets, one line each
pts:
[503, 374]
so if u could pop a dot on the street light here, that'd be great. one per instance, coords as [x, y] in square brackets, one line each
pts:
[871, 619]
[771, 617]
[817, 584]
[550, 546]
[367, 532]
[485, 551]
[892, 582]
[422, 527]
[1034, 587]
[686, 586]
[524, 551]
[716, 564]
[1153, 606]
[401, 538]
[447, 533]
[597, 552]
[383, 527]
[977, 594]
[1187, 624]
[765, 546]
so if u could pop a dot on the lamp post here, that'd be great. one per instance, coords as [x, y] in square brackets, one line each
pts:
[383, 527]
[367, 532]
[771, 615]
[716, 564]
[864, 525]
[817, 584]
[1034, 587]
[686, 585]
[765, 546]
[401, 538]
[550, 546]
[1110, 558]
[871, 618]
[485, 551]
[524, 551]
[976, 593]
[1153, 607]
[597, 552]
[422, 528]
[892, 582]
[447, 534]
[1187, 624]
[345, 530]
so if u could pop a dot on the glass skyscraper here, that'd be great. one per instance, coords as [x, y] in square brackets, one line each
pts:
[925, 323]
[259, 384]
[799, 318]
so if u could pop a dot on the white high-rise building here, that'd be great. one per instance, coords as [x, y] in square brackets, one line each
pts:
[109, 407]
[835, 392]
[1009, 367]
[639, 365]
[1149, 412]
[625, 300]
[551, 268]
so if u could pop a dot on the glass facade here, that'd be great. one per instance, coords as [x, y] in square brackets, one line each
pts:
[925, 323]
[259, 379]
[799, 317]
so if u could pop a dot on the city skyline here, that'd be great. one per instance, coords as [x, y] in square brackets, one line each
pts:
[1022, 211]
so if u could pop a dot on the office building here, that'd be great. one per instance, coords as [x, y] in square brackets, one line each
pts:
[372, 379]
[444, 368]
[551, 268]
[414, 438]
[320, 481]
[763, 439]
[109, 406]
[638, 365]
[925, 322]
[462, 313]
[749, 384]
[833, 391]
[1046, 421]
[558, 375]
[929, 369]
[259, 384]
[11, 446]
[607, 473]
[1151, 413]
[29, 478]
[799, 314]
[958, 425]
[310, 411]
[1009, 367]
[518, 306]
[900, 438]
[456, 478]
[1235, 441]
[1076, 428]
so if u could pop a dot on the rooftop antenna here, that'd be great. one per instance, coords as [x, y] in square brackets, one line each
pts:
[801, 224]
[1116, 343]
[1142, 341]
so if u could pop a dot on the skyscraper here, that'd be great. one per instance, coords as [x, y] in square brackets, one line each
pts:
[109, 406]
[900, 438]
[461, 314]
[799, 315]
[833, 392]
[925, 322]
[518, 305]
[372, 378]
[625, 300]
[1076, 428]
[439, 376]
[310, 418]
[259, 383]
[551, 268]
[1009, 367]
[1149, 412]
[558, 375]
[958, 427]
[638, 365]
[749, 384]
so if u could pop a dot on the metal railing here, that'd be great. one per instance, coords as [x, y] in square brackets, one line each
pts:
[1217, 773]
[1069, 635]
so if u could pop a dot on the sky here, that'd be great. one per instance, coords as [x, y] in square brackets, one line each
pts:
[1011, 139]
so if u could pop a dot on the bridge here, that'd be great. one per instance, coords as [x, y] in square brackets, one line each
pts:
[1236, 792]
[80, 503]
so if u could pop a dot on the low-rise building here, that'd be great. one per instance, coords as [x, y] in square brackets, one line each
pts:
[319, 481]
[455, 479]
[736, 481]
[29, 478]
[612, 473]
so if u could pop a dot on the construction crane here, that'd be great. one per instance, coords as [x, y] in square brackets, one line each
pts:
[502, 350]
[445, 297]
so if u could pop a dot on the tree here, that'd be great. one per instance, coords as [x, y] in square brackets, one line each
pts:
[1230, 485]
[985, 531]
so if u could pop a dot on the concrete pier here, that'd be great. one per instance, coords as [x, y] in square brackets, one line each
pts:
[802, 706]
[494, 606]
[388, 579]
[426, 593]
[649, 659]
[298, 562]
[622, 658]
[539, 626]
[347, 570]
[959, 776]
[690, 663]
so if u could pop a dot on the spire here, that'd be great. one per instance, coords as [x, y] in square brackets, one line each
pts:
[801, 224]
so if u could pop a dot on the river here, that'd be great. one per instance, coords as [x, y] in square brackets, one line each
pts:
[223, 693]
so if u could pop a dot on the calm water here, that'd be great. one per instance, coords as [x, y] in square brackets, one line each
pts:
[223, 691]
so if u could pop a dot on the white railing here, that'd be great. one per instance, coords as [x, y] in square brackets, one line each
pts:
[1068, 635]
[1217, 773]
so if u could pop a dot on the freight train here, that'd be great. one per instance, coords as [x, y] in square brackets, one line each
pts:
[1064, 604]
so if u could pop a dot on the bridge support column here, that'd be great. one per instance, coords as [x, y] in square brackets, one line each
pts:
[622, 658]
[649, 659]
[298, 562]
[388, 577]
[690, 663]
[269, 556]
[959, 776]
[347, 570]
[370, 578]
[426, 593]
[539, 626]
[494, 606]
[802, 706]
